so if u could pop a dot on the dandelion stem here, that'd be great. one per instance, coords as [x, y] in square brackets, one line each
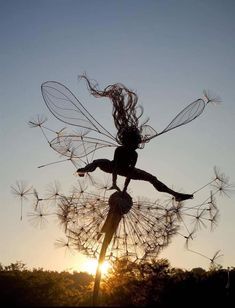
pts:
[21, 209]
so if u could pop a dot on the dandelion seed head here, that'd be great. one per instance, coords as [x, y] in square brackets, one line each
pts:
[141, 228]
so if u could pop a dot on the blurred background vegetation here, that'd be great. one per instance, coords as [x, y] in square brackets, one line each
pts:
[154, 284]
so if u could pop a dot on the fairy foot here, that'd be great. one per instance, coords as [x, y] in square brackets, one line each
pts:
[181, 197]
[81, 172]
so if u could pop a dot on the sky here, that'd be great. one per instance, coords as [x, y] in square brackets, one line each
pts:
[168, 52]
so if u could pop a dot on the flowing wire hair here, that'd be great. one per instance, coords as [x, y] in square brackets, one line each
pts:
[126, 113]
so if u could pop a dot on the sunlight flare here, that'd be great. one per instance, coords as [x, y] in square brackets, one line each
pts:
[90, 266]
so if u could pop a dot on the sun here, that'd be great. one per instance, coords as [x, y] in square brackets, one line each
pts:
[90, 266]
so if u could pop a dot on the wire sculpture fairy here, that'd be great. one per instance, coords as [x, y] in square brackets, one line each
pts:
[140, 229]
[131, 134]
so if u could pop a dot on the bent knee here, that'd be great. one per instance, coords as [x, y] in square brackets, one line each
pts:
[105, 165]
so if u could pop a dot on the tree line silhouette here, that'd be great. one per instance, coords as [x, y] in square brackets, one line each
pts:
[153, 283]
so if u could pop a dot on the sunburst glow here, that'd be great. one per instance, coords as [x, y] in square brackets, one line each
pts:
[90, 266]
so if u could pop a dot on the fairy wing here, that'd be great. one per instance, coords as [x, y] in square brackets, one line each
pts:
[66, 107]
[78, 145]
[188, 114]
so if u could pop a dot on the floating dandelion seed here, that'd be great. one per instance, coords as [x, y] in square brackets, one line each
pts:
[214, 220]
[38, 218]
[213, 261]
[188, 238]
[21, 190]
[37, 199]
[219, 175]
[198, 219]
[64, 243]
[64, 212]
[80, 189]
[54, 191]
[38, 121]
[222, 183]
[223, 187]
[211, 98]
[216, 257]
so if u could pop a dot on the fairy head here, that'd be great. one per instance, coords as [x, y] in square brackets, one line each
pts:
[129, 136]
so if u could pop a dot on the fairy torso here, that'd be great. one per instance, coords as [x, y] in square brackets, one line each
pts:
[125, 157]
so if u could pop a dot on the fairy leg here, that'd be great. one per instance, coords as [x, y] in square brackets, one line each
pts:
[133, 174]
[141, 175]
[104, 164]
[127, 181]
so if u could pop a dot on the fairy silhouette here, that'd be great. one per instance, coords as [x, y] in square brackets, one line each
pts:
[131, 134]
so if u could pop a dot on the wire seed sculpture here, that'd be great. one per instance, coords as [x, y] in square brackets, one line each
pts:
[106, 225]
